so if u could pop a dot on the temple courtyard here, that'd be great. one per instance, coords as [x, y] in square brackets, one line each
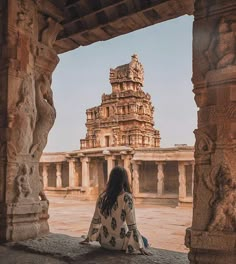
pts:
[164, 226]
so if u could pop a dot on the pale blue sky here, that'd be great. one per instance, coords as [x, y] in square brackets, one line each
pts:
[82, 76]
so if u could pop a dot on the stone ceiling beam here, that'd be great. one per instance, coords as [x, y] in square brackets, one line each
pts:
[88, 14]
[105, 20]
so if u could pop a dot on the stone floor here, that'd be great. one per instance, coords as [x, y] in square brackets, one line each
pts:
[163, 226]
[70, 218]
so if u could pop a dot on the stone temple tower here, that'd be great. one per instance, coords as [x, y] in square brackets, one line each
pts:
[125, 117]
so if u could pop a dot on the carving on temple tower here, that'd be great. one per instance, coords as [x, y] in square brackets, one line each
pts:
[22, 184]
[223, 186]
[221, 50]
[125, 117]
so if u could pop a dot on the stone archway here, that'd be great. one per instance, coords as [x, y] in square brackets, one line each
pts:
[31, 35]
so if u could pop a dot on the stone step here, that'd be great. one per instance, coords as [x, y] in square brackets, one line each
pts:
[157, 201]
[64, 249]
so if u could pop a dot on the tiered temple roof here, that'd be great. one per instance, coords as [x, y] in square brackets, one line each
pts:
[125, 117]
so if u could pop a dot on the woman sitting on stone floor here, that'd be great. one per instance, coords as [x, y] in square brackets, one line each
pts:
[114, 223]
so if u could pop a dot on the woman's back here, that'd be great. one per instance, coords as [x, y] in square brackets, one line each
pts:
[118, 230]
[114, 222]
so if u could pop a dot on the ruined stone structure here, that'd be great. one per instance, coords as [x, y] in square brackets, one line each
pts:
[157, 175]
[125, 117]
[33, 32]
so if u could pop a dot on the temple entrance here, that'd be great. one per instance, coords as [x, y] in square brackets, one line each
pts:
[33, 33]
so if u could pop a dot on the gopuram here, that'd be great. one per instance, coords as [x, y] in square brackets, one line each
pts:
[125, 117]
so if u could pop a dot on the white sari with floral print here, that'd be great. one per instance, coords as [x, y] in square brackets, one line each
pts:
[117, 231]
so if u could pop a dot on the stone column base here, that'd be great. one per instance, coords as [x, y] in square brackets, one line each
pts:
[209, 248]
[24, 221]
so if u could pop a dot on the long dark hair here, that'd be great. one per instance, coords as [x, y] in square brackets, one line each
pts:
[118, 181]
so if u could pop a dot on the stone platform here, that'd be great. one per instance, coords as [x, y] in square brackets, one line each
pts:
[163, 226]
[61, 249]
[70, 219]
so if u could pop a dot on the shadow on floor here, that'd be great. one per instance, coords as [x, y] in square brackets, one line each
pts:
[59, 248]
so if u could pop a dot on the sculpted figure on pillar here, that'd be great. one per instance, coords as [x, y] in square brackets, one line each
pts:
[204, 147]
[22, 184]
[221, 51]
[24, 15]
[21, 120]
[46, 113]
[50, 33]
[223, 186]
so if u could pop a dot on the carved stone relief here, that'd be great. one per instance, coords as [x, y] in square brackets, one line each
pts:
[128, 72]
[25, 15]
[221, 50]
[46, 113]
[200, 96]
[97, 141]
[212, 114]
[23, 185]
[21, 120]
[50, 33]
[223, 186]
[200, 61]
[204, 147]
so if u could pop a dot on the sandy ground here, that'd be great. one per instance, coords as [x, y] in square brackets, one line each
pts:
[163, 226]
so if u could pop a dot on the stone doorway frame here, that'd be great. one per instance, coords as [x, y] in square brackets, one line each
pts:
[27, 112]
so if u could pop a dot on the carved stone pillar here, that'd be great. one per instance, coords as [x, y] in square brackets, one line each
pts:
[110, 164]
[126, 158]
[160, 178]
[72, 172]
[182, 181]
[27, 113]
[192, 177]
[135, 183]
[58, 174]
[45, 175]
[85, 171]
[212, 236]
